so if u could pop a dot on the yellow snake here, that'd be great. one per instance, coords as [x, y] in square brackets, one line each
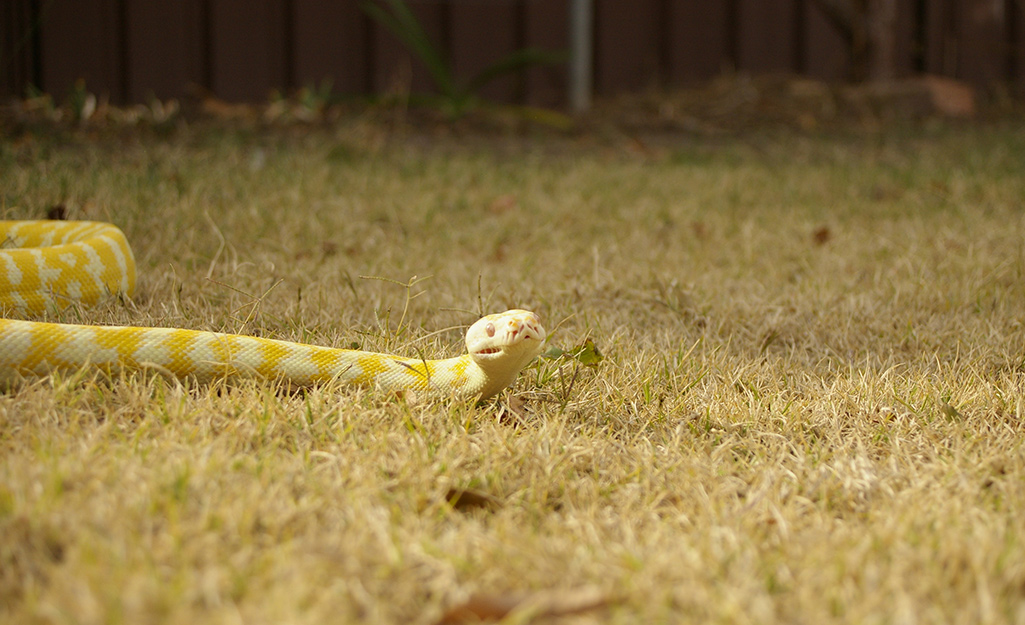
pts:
[45, 265]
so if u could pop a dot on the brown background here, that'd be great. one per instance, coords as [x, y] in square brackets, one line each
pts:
[132, 50]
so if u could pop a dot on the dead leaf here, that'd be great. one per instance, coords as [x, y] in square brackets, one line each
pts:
[531, 607]
[638, 147]
[502, 204]
[228, 111]
[57, 211]
[821, 235]
[481, 608]
[466, 499]
[513, 411]
[500, 252]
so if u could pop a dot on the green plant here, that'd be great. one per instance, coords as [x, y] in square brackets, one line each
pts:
[457, 97]
[82, 101]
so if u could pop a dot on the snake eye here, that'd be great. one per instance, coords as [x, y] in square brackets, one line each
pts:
[490, 329]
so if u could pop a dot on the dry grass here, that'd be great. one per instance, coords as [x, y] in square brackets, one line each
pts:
[810, 411]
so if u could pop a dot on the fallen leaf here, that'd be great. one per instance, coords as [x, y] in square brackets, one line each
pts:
[821, 235]
[502, 204]
[530, 607]
[586, 353]
[465, 499]
[481, 608]
[513, 411]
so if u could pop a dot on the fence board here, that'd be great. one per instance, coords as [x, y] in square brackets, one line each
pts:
[241, 50]
[1016, 42]
[82, 40]
[164, 48]
[248, 48]
[767, 38]
[331, 43]
[825, 55]
[480, 34]
[545, 25]
[909, 45]
[395, 69]
[699, 45]
[18, 32]
[627, 45]
[940, 48]
[981, 47]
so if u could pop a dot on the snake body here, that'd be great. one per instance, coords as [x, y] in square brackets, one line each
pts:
[46, 264]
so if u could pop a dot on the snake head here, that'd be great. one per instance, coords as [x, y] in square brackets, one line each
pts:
[504, 343]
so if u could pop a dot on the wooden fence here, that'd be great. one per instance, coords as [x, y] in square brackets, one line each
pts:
[241, 50]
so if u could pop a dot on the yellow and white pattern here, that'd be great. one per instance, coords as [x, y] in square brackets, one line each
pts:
[47, 264]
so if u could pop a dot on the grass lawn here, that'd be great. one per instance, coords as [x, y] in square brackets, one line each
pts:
[811, 407]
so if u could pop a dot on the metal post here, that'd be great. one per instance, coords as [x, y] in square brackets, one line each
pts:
[581, 20]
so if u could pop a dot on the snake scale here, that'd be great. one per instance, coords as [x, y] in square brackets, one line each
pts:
[45, 265]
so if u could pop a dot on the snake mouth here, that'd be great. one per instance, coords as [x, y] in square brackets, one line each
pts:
[489, 350]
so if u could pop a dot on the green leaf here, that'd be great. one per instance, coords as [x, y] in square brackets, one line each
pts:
[456, 98]
[588, 354]
[513, 62]
[553, 352]
[404, 25]
[952, 413]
